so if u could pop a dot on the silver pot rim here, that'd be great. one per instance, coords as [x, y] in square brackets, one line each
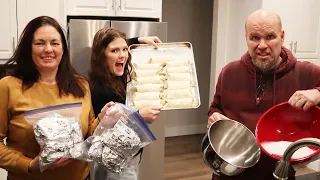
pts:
[210, 143]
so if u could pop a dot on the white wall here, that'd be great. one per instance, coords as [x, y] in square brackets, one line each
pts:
[191, 20]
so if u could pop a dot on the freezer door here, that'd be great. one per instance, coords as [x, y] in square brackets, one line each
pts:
[80, 35]
[142, 28]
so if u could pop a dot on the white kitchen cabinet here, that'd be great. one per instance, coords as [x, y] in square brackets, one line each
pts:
[121, 8]
[15, 15]
[8, 31]
[301, 23]
[29, 9]
[306, 27]
[91, 8]
[140, 8]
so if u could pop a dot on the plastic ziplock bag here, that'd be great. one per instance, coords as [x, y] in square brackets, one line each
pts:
[57, 129]
[118, 138]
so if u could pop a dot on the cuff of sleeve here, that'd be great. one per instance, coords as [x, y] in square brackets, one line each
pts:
[23, 164]
[98, 117]
[133, 41]
[211, 112]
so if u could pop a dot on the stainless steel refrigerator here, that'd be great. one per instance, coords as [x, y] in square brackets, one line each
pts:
[80, 35]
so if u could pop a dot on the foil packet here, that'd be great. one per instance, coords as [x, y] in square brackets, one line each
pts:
[118, 138]
[57, 129]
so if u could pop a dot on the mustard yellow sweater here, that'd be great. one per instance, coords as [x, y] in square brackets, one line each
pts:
[21, 145]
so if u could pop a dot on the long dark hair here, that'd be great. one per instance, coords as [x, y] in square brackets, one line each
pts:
[67, 79]
[99, 73]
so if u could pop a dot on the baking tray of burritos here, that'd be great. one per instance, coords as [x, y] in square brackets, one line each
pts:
[165, 77]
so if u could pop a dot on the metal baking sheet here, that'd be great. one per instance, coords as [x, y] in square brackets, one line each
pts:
[141, 53]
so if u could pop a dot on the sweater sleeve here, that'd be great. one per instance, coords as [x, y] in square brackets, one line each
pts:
[133, 41]
[216, 105]
[93, 120]
[93, 123]
[10, 159]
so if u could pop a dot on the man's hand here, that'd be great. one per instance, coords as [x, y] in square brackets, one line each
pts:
[152, 40]
[305, 99]
[214, 117]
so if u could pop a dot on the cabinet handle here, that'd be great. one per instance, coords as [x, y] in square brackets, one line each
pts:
[120, 5]
[295, 47]
[115, 7]
[112, 5]
[291, 46]
[13, 43]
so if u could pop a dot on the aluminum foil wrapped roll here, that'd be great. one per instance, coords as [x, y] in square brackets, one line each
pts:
[95, 150]
[60, 136]
[115, 147]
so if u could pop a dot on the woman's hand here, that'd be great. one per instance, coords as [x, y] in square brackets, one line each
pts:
[34, 165]
[110, 114]
[152, 40]
[59, 163]
[105, 108]
[150, 114]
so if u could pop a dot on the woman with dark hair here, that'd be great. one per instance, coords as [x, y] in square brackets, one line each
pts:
[111, 69]
[109, 73]
[43, 77]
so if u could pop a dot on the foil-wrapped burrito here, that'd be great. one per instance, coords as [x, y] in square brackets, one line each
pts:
[60, 136]
[115, 146]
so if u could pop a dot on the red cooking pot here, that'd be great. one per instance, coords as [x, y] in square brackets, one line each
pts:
[283, 124]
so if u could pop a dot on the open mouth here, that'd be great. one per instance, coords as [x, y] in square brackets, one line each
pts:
[119, 65]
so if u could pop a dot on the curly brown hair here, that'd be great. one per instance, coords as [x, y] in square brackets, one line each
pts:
[99, 73]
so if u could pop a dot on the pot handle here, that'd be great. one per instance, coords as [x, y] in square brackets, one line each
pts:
[217, 163]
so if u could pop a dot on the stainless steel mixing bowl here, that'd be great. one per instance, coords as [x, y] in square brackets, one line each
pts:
[229, 148]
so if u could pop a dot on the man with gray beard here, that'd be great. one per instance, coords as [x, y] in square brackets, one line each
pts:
[266, 75]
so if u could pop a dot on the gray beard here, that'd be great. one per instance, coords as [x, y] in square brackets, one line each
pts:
[266, 65]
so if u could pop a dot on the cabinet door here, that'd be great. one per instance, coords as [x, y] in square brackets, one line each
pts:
[139, 8]
[91, 8]
[306, 24]
[8, 30]
[30, 9]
